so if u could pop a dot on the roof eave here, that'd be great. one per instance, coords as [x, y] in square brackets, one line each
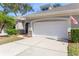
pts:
[54, 14]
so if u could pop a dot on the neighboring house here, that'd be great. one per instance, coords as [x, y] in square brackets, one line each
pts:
[49, 6]
[50, 24]
[46, 7]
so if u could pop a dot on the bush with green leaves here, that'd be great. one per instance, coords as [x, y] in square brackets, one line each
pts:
[75, 35]
[11, 31]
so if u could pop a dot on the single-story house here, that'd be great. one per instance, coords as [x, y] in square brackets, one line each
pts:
[53, 23]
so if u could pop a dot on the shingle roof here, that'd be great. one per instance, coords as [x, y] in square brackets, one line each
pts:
[67, 10]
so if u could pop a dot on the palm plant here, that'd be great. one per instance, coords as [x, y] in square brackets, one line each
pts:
[6, 21]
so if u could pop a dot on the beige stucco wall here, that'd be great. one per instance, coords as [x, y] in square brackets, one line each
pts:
[19, 25]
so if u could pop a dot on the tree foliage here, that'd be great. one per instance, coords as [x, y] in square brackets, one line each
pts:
[16, 8]
[46, 6]
[57, 5]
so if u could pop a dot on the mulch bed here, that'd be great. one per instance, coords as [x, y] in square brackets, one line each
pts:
[8, 39]
[73, 48]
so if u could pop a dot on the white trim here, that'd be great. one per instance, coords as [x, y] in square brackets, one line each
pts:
[50, 19]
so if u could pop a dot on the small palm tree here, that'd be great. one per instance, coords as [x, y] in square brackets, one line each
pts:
[6, 21]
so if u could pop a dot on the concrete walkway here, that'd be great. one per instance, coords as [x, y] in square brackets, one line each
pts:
[34, 46]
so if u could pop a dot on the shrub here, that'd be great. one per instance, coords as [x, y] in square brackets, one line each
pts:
[75, 35]
[11, 31]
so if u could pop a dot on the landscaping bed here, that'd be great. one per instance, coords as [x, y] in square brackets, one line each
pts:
[73, 49]
[8, 39]
[73, 43]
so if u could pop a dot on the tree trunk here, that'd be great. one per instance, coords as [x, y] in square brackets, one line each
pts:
[15, 14]
[2, 27]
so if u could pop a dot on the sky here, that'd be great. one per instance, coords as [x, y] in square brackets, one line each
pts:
[35, 6]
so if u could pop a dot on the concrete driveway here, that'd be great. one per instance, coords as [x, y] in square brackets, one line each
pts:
[34, 46]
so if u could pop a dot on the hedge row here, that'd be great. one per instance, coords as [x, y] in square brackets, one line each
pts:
[75, 35]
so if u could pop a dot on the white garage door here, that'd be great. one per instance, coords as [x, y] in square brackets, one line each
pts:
[54, 29]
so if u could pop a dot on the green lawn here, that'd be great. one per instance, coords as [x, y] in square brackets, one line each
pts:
[8, 39]
[73, 49]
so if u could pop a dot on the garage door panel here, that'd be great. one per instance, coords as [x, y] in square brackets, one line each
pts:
[52, 29]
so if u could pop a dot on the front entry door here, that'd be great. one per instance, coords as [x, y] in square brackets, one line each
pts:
[26, 28]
